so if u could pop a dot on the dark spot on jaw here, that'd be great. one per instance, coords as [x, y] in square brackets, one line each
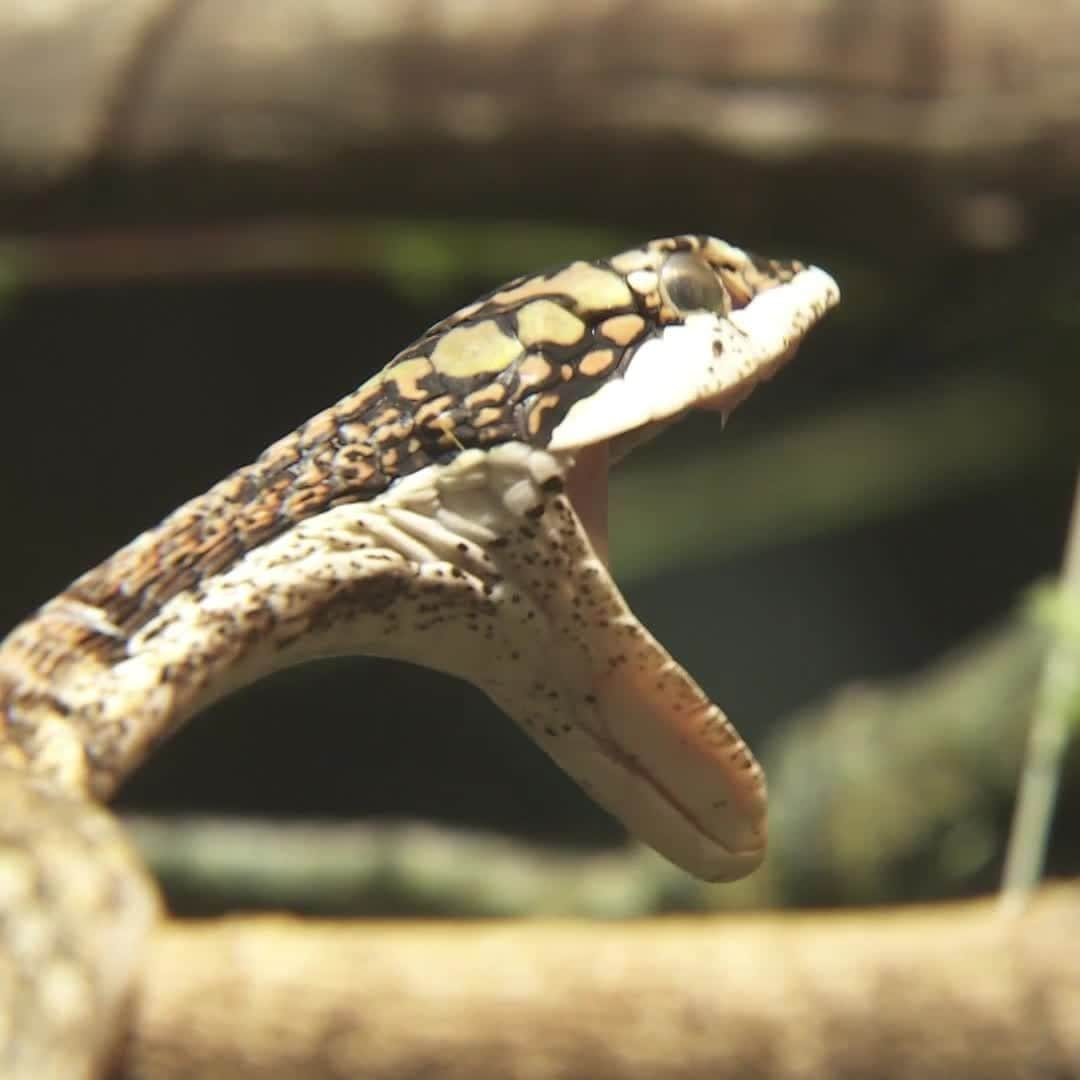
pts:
[552, 485]
[371, 596]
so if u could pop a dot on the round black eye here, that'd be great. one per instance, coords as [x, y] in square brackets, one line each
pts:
[691, 285]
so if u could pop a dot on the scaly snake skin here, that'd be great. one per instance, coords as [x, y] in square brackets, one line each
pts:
[451, 512]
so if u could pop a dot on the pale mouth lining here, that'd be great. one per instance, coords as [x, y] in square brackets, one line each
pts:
[587, 488]
[587, 480]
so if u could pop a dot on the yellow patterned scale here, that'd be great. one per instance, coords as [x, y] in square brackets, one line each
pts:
[512, 364]
[525, 362]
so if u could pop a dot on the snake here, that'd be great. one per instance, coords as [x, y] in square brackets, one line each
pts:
[451, 512]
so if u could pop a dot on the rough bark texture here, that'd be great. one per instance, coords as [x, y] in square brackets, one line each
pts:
[937, 992]
[957, 114]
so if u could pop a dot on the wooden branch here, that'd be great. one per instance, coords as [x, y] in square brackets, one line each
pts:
[959, 113]
[934, 992]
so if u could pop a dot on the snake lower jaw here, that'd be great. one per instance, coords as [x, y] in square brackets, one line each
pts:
[588, 682]
[646, 742]
[568, 660]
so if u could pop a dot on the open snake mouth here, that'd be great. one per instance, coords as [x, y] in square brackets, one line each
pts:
[587, 479]
[653, 748]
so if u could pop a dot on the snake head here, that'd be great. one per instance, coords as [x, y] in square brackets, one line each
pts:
[714, 322]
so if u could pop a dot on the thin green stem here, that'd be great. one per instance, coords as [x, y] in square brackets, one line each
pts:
[1047, 742]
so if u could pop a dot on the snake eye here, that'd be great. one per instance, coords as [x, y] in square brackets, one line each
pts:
[689, 284]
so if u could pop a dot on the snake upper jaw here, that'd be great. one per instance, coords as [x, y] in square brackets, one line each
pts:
[708, 359]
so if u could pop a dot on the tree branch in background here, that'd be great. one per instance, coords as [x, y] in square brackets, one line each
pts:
[961, 115]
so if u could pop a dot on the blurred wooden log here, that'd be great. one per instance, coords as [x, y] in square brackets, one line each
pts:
[959, 115]
[931, 992]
